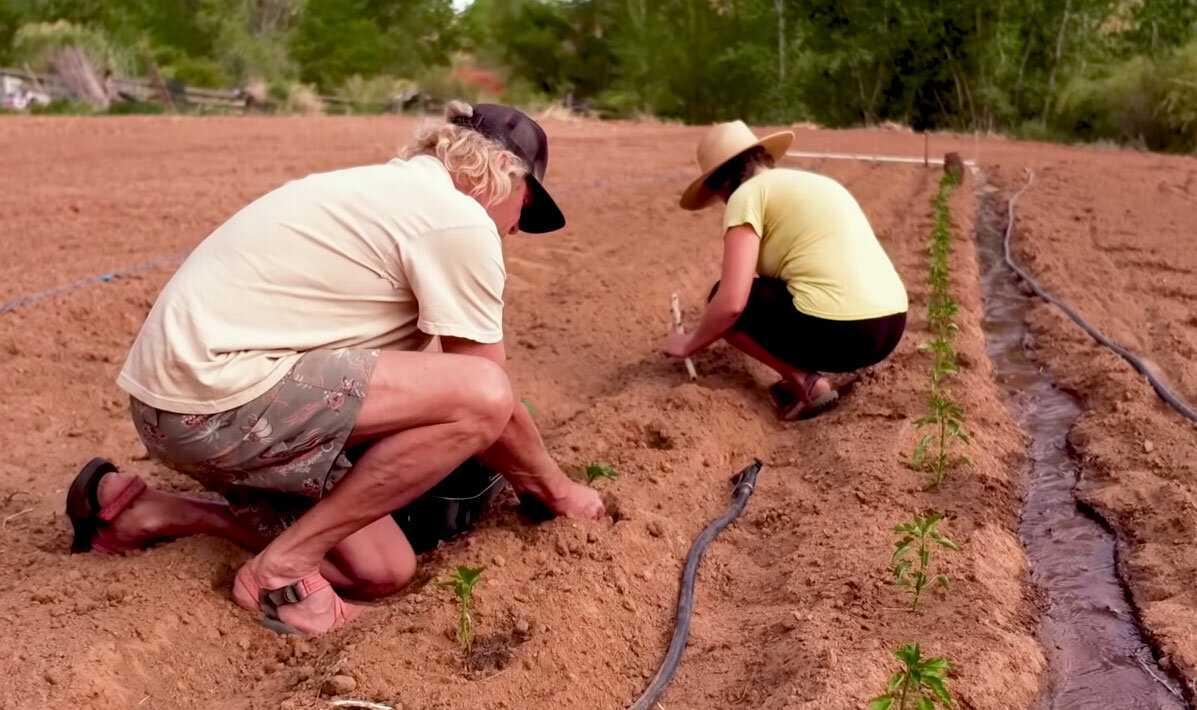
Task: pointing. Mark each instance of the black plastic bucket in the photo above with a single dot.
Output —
(451, 507)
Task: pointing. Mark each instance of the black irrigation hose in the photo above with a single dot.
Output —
(1165, 393)
(745, 482)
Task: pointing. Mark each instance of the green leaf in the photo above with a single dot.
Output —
(530, 407)
(945, 542)
(934, 667)
(936, 684)
(925, 704)
(908, 654)
(920, 452)
(595, 471)
(883, 702)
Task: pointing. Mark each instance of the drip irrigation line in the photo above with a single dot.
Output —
(1171, 398)
(745, 483)
(31, 298)
(867, 158)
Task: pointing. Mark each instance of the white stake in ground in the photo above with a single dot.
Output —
(675, 305)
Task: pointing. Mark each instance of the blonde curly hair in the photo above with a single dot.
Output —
(483, 165)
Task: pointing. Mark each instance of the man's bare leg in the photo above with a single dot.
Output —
(426, 413)
(375, 561)
(159, 515)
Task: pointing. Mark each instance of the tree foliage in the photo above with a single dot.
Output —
(966, 64)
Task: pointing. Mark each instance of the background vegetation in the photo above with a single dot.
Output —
(1124, 70)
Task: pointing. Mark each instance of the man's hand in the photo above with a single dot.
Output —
(577, 501)
(677, 345)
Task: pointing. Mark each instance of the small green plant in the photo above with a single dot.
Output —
(595, 471)
(921, 683)
(462, 582)
(947, 421)
(932, 453)
(911, 561)
(530, 407)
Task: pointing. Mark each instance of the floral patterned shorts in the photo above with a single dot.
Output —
(273, 457)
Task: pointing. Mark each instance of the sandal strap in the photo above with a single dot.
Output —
(293, 593)
(123, 500)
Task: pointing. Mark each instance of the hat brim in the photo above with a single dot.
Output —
(542, 214)
(697, 196)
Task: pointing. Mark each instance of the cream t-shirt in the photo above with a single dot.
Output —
(381, 256)
(815, 237)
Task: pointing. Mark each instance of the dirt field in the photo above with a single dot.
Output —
(795, 609)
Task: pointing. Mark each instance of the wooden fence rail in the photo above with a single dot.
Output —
(145, 90)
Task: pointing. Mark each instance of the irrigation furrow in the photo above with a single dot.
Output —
(1098, 656)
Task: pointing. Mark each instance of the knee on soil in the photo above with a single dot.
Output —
(380, 577)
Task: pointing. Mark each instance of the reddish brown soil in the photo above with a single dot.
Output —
(794, 605)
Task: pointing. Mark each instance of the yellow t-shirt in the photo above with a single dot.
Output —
(815, 237)
(381, 256)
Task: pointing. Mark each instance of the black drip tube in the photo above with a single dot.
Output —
(745, 483)
(1171, 398)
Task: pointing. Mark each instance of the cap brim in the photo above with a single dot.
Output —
(542, 214)
(696, 196)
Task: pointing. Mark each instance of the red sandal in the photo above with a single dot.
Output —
(249, 594)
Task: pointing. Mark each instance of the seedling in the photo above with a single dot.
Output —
(946, 418)
(911, 561)
(595, 471)
(462, 583)
(530, 407)
(921, 683)
(947, 422)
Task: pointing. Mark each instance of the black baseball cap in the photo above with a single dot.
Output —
(521, 135)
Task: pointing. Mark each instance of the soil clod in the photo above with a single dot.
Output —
(339, 684)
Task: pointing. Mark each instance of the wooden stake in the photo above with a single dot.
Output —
(675, 305)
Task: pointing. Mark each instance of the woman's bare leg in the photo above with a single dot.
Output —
(793, 377)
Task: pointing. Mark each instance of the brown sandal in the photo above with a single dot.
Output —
(89, 519)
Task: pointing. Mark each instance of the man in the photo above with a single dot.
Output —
(299, 328)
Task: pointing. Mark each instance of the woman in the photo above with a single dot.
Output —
(826, 298)
(299, 329)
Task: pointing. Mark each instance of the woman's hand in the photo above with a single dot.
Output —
(677, 345)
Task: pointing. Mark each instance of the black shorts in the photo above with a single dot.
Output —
(814, 344)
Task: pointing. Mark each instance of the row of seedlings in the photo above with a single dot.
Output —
(920, 682)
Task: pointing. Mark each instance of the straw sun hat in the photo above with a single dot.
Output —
(721, 143)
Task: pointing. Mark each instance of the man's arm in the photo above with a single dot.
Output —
(520, 455)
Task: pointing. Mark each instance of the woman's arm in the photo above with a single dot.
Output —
(741, 246)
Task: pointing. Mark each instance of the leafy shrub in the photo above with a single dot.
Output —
(61, 107)
(126, 108)
(375, 94)
(198, 72)
(1150, 102)
(35, 44)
